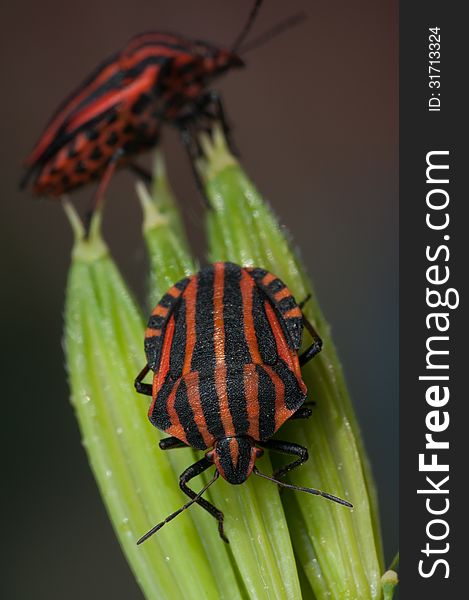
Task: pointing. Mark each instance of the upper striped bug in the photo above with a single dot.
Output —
(223, 345)
(119, 110)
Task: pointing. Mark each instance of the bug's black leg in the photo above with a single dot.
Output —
(213, 97)
(286, 448)
(191, 472)
(98, 197)
(171, 442)
(143, 173)
(315, 347)
(304, 412)
(143, 388)
(303, 302)
(194, 153)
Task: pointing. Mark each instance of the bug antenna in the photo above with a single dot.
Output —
(303, 489)
(178, 512)
(276, 30)
(247, 27)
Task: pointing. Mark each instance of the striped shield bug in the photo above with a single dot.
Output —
(119, 110)
(223, 345)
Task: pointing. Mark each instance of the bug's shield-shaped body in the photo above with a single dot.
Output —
(223, 344)
(118, 111)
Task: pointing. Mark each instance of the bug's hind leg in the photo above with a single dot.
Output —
(191, 472)
(286, 448)
(171, 442)
(99, 196)
(143, 388)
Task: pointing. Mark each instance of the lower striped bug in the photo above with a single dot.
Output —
(223, 345)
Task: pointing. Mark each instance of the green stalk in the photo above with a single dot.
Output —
(339, 549)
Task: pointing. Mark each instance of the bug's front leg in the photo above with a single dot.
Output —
(190, 143)
(286, 448)
(315, 347)
(191, 472)
(211, 105)
(304, 412)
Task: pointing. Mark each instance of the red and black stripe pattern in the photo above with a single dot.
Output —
(223, 344)
(118, 110)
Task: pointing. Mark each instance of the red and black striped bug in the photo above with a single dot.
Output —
(223, 345)
(118, 111)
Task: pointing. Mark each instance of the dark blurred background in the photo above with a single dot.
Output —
(315, 115)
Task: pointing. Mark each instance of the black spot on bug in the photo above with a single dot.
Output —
(258, 274)
(96, 154)
(132, 146)
(112, 139)
(92, 134)
(80, 167)
(112, 118)
(287, 304)
(72, 153)
(156, 322)
(65, 181)
(275, 286)
(129, 129)
(187, 68)
(143, 127)
(181, 285)
(140, 105)
(166, 301)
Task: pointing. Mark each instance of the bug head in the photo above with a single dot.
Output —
(234, 458)
(215, 60)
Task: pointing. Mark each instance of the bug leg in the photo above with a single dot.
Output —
(315, 347)
(171, 442)
(219, 113)
(304, 412)
(143, 388)
(194, 154)
(303, 302)
(286, 448)
(98, 198)
(191, 472)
